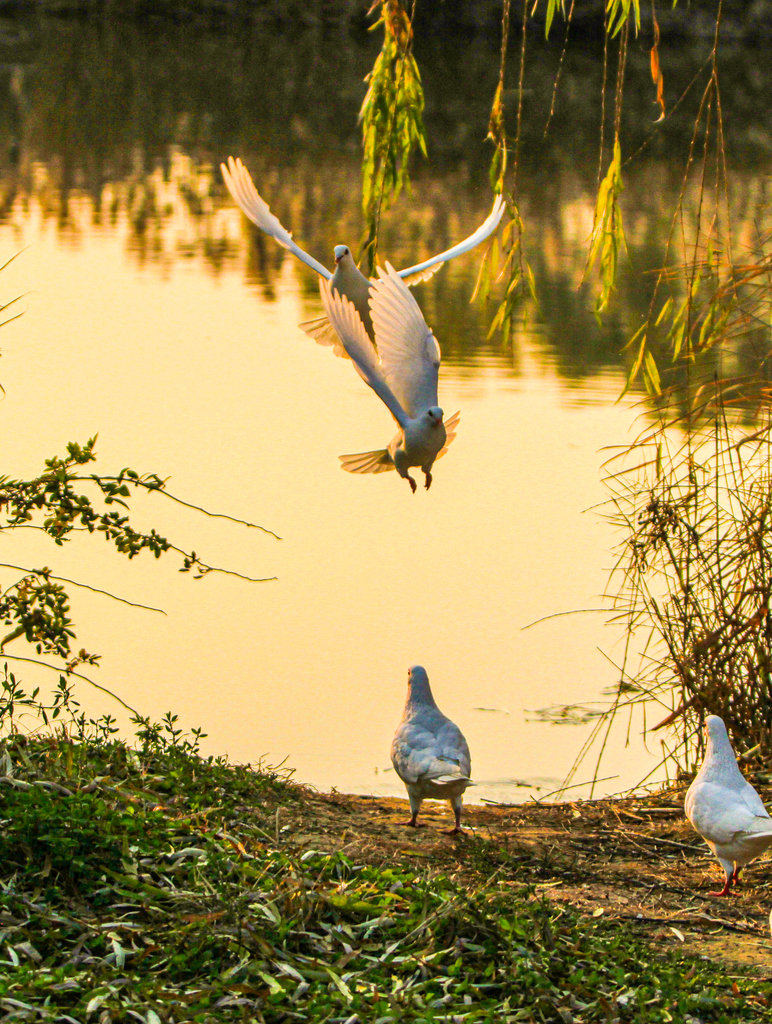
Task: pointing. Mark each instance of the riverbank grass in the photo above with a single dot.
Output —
(148, 883)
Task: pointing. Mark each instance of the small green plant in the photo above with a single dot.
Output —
(164, 734)
(15, 701)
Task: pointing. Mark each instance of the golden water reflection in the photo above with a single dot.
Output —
(202, 378)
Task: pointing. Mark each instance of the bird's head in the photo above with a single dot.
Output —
(341, 251)
(418, 688)
(715, 730)
(418, 683)
(434, 416)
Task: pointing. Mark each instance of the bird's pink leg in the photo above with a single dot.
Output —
(727, 884)
(413, 823)
(457, 831)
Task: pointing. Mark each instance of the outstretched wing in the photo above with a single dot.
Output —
(242, 188)
(409, 352)
(423, 270)
(350, 329)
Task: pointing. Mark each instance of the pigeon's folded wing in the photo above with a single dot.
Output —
(720, 817)
(409, 352)
(242, 188)
(751, 799)
(454, 747)
(412, 275)
(350, 329)
(414, 749)
(408, 761)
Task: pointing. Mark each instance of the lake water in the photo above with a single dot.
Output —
(160, 319)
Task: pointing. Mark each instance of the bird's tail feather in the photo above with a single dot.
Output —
(322, 331)
(379, 461)
(451, 426)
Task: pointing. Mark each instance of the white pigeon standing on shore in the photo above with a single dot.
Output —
(429, 752)
(348, 280)
(725, 809)
(403, 373)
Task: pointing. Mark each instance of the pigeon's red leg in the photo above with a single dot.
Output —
(727, 886)
(412, 483)
(413, 823)
(428, 476)
(457, 831)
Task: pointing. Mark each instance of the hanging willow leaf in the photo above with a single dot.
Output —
(651, 374)
(521, 281)
(392, 121)
(498, 135)
(607, 234)
(635, 368)
(666, 311)
(552, 7)
(618, 13)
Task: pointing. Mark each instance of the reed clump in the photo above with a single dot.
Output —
(693, 581)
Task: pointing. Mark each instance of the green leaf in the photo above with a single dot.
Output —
(607, 237)
(651, 374)
(665, 311)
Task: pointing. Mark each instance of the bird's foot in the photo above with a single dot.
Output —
(457, 831)
(412, 483)
(412, 824)
(732, 879)
(428, 480)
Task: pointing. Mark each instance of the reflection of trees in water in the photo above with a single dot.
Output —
(112, 127)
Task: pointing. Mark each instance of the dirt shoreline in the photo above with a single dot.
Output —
(635, 860)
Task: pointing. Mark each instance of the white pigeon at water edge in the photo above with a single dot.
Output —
(348, 280)
(429, 752)
(725, 809)
(403, 373)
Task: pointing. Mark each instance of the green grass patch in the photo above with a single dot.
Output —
(152, 884)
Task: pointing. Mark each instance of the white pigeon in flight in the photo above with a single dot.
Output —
(429, 752)
(725, 809)
(348, 280)
(403, 373)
